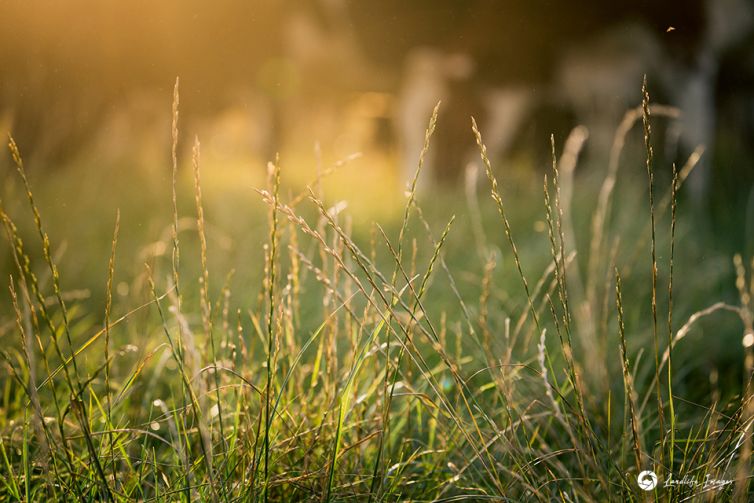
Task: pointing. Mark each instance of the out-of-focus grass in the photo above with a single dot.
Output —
(80, 225)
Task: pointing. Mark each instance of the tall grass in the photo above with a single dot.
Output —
(376, 369)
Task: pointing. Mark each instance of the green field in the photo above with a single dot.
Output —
(195, 333)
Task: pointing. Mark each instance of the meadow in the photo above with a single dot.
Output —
(541, 336)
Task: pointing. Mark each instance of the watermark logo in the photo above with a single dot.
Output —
(705, 483)
(647, 480)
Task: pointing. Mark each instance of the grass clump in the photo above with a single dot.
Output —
(383, 368)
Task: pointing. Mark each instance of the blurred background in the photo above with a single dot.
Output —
(93, 80)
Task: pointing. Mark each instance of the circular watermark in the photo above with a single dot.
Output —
(647, 480)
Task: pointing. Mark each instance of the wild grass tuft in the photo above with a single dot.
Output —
(431, 358)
